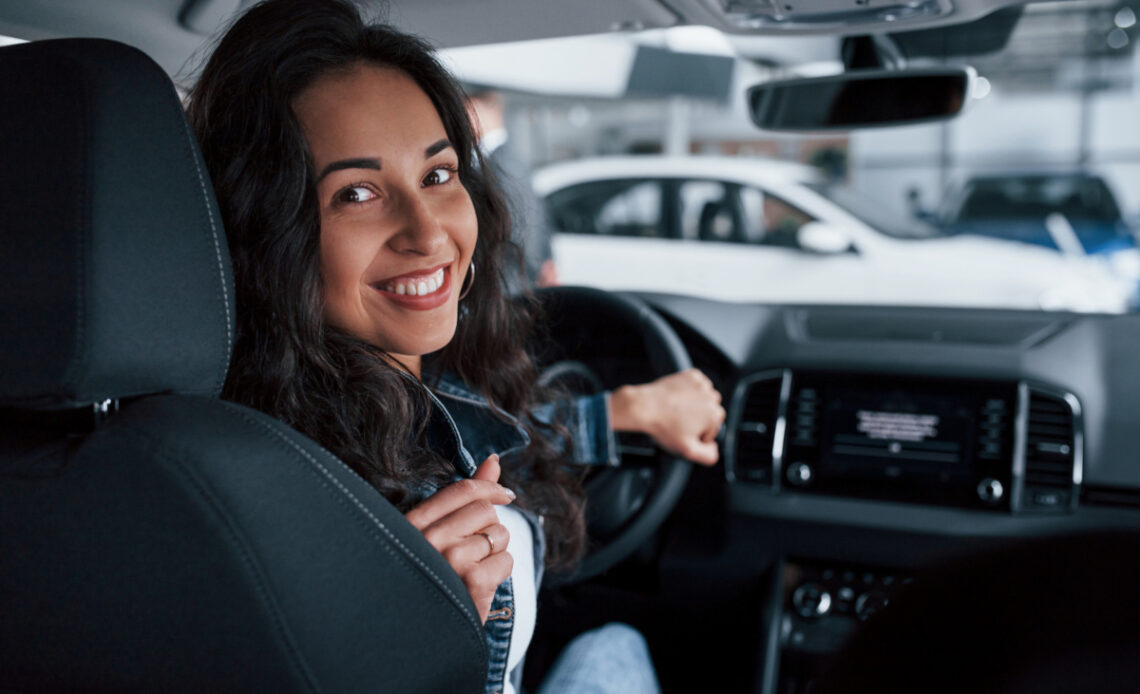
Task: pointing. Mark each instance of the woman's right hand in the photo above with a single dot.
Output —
(460, 521)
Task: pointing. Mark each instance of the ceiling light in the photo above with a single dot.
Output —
(1117, 39)
(1125, 18)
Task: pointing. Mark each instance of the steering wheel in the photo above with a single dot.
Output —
(594, 340)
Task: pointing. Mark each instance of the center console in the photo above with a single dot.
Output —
(1006, 446)
(970, 447)
(820, 607)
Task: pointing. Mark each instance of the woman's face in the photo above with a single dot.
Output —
(397, 227)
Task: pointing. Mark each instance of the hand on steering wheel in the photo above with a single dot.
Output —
(629, 503)
(681, 411)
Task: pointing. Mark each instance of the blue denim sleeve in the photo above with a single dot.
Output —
(588, 419)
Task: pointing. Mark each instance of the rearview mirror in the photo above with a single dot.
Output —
(861, 99)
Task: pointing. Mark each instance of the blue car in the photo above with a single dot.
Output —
(1071, 212)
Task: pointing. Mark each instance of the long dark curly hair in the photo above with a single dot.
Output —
(288, 361)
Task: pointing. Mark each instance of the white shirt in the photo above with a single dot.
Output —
(521, 547)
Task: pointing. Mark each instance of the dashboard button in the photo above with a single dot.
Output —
(1050, 498)
(811, 600)
(800, 474)
(869, 603)
(990, 490)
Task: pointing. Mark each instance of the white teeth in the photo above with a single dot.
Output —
(429, 285)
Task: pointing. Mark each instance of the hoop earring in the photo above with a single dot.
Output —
(468, 281)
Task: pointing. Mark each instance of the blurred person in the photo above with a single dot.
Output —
(531, 230)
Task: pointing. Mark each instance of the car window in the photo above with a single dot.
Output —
(707, 212)
(879, 217)
(715, 211)
(610, 208)
(1085, 199)
(773, 220)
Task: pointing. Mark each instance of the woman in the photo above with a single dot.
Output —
(370, 250)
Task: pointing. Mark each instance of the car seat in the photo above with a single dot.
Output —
(153, 537)
(716, 222)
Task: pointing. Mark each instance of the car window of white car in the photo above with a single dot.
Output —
(628, 207)
(771, 220)
(707, 212)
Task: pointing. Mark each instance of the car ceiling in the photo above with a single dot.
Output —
(160, 27)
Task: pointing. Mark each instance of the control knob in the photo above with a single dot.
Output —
(811, 600)
(990, 490)
(800, 474)
(869, 603)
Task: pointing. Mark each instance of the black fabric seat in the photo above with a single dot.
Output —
(153, 537)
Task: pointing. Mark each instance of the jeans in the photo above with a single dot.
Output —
(612, 659)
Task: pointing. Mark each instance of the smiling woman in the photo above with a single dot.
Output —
(357, 209)
(396, 228)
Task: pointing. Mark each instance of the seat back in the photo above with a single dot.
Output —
(152, 536)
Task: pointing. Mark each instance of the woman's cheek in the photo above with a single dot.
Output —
(467, 225)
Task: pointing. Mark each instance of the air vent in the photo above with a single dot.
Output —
(1052, 453)
(756, 413)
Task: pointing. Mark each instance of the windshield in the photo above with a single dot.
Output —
(652, 177)
(887, 220)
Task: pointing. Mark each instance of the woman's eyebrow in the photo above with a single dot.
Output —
(374, 164)
(437, 147)
(362, 163)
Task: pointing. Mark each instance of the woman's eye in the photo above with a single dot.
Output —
(439, 176)
(355, 194)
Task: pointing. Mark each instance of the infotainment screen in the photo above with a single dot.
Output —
(929, 439)
(897, 426)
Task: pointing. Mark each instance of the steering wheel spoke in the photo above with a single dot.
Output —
(597, 340)
(637, 449)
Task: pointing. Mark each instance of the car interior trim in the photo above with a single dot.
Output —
(780, 431)
(736, 413)
(1020, 443)
(1025, 391)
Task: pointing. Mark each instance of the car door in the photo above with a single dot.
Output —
(618, 233)
(742, 243)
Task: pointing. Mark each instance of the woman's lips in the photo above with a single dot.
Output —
(421, 290)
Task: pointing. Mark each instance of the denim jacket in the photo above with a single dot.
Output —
(464, 428)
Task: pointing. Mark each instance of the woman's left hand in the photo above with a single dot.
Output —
(681, 411)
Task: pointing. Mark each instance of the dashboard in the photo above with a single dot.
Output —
(867, 445)
(1086, 366)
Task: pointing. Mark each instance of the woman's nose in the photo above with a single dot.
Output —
(421, 228)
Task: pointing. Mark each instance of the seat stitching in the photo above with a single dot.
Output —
(79, 356)
(191, 143)
(251, 565)
(327, 474)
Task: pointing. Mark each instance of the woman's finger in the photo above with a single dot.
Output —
(454, 497)
(476, 547)
(702, 453)
(497, 537)
(460, 523)
(484, 578)
(489, 469)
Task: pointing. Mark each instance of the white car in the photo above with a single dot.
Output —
(741, 229)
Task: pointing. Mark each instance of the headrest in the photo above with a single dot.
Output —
(114, 274)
